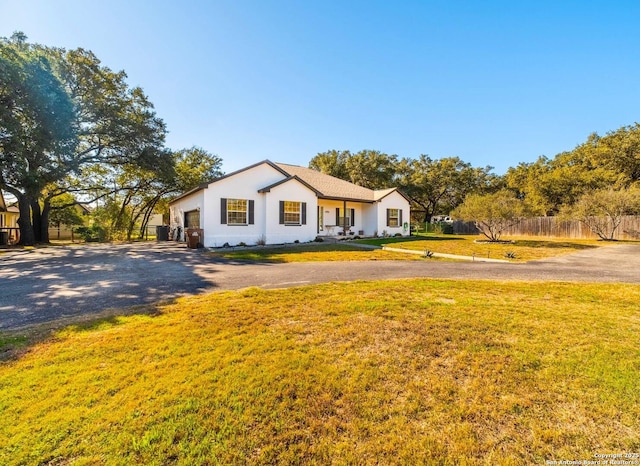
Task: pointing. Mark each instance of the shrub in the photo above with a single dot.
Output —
(92, 234)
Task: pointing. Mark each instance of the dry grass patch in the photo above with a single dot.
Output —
(392, 372)
(524, 249)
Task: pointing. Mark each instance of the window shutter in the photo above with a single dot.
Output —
(223, 211)
(303, 207)
(353, 217)
(399, 217)
(251, 212)
(338, 216)
(281, 212)
(387, 217)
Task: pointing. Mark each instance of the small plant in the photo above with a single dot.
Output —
(262, 240)
(319, 239)
(397, 235)
(242, 243)
(385, 234)
(226, 245)
(510, 255)
(297, 241)
(427, 254)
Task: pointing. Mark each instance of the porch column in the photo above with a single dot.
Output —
(344, 219)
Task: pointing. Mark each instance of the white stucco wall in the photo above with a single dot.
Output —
(243, 185)
(393, 201)
(177, 210)
(296, 192)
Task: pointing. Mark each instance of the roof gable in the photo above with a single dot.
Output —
(266, 189)
(329, 186)
(229, 175)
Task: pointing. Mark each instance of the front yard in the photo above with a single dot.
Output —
(390, 372)
(521, 250)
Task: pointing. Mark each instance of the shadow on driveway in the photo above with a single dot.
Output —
(52, 283)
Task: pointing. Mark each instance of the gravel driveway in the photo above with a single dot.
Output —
(48, 284)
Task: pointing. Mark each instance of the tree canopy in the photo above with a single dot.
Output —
(61, 112)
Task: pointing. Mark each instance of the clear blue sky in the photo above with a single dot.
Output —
(492, 82)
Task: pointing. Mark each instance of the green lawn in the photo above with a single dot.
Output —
(393, 372)
(524, 249)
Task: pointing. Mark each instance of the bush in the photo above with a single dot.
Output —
(442, 228)
(93, 234)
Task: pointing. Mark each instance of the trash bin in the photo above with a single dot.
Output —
(195, 237)
(4, 238)
(162, 233)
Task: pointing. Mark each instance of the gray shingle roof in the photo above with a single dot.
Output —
(334, 188)
(326, 186)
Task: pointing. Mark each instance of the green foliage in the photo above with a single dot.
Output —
(64, 111)
(368, 168)
(92, 234)
(37, 124)
(332, 162)
(371, 169)
(441, 228)
(601, 162)
(491, 213)
(602, 210)
(438, 186)
(194, 167)
(64, 211)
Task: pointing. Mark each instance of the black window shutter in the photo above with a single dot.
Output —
(251, 214)
(337, 215)
(304, 213)
(223, 211)
(399, 217)
(281, 212)
(387, 217)
(353, 217)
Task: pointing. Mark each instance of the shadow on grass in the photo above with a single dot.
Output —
(554, 245)
(408, 239)
(15, 343)
(269, 254)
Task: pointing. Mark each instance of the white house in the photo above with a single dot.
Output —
(273, 203)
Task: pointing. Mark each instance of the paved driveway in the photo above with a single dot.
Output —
(47, 284)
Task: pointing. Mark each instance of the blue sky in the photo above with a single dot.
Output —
(492, 82)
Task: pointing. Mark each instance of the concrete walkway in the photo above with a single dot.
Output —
(44, 285)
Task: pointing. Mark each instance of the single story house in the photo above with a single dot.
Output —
(273, 203)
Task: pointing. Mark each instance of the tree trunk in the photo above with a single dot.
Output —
(27, 237)
(44, 222)
(36, 220)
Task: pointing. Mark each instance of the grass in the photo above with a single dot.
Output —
(524, 249)
(314, 253)
(393, 372)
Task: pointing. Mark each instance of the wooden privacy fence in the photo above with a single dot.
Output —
(551, 227)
